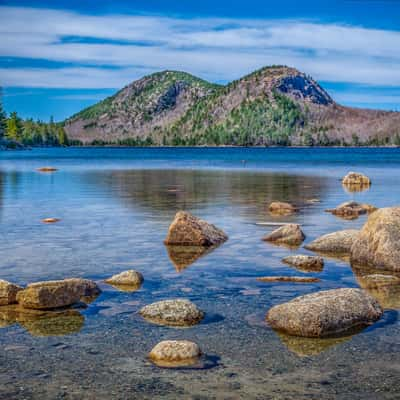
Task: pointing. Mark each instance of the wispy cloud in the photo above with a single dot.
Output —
(216, 49)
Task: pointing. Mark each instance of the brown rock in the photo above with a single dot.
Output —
(378, 244)
(8, 292)
(281, 208)
(351, 209)
(176, 312)
(339, 242)
(126, 278)
(356, 179)
(47, 169)
(325, 313)
(305, 263)
(188, 230)
(296, 279)
(50, 220)
(290, 235)
(175, 353)
(55, 294)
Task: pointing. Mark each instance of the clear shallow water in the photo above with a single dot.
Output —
(115, 206)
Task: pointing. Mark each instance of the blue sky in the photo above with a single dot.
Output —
(57, 57)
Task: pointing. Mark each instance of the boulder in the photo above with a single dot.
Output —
(188, 230)
(281, 208)
(170, 353)
(8, 292)
(339, 242)
(128, 278)
(325, 313)
(378, 244)
(176, 312)
(356, 179)
(351, 209)
(305, 263)
(55, 294)
(290, 235)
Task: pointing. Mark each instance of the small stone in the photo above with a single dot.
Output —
(8, 292)
(339, 242)
(130, 278)
(47, 169)
(188, 230)
(356, 179)
(325, 313)
(50, 220)
(281, 208)
(305, 263)
(296, 279)
(290, 235)
(176, 312)
(175, 353)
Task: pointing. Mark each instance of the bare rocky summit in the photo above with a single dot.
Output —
(188, 230)
(325, 313)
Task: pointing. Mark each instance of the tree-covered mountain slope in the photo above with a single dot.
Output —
(275, 105)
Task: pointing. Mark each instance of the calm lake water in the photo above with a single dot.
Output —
(115, 207)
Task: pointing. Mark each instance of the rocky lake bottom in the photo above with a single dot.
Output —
(114, 207)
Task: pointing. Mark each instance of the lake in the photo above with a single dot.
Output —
(115, 206)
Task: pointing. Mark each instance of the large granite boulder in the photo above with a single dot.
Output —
(339, 242)
(325, 313)
(378, 244)
(351, 209)
(305, 263)
(176, 312)
(281, 208)
(356, 179)
(290, 235)
(175, 353)
(55, 294)
(188, 230)
(8, 292)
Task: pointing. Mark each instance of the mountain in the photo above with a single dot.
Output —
(275, 105)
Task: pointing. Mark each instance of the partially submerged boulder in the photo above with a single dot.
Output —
(188, 230)
(290, 235)
(378, 244)
(56, 294)
(126, 278)
(8, 292)
(175, 353)
(281, 208)
(325, 313)
(351, 209)
(339, 242)
(356, 179)
(176, 312)
(305, 263)
(295, 279)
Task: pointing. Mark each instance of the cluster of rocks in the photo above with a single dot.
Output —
(351, 210)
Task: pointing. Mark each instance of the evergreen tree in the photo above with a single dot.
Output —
(14, 127)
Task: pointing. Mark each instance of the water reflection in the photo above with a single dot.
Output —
(183, 256)
(42, 323)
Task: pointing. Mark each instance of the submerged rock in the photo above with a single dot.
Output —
(8, 292)
(356, 179)
(176, 312)
(378, 244)
(339, 242)
(325, 313)
(130, 280)
(290, 235)
(188, 230)
(175, 353)
(55, 294)
(296, 279)
(281, 208)
(351, 209)
(305, 263)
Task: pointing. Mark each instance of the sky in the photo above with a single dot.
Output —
(57, 57)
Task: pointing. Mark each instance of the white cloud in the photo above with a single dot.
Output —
(216, 49)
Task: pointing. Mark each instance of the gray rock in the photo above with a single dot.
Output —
(290, 235)
(130, 277)
(339, 242)
(176, 312)
(188, 230)
(325, 313)
(170, 353)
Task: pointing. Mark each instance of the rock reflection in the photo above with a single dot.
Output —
(126, 288)
(183, 256)
(42, 323)
(355, 188)
(306, 347)
(385, 291)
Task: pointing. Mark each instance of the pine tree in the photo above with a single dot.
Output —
(14, 127)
